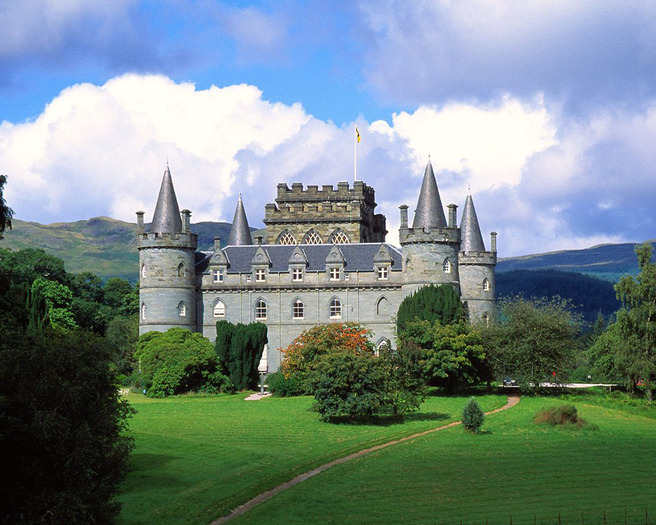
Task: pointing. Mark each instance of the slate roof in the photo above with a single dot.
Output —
(429, 212)
(357, 256)
(240, 233)
(470, 231)
(166, 218)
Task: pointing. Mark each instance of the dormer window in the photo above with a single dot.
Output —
(217, 275)
(335, 274)
(297, 275)
(260, 276)
(382, 273)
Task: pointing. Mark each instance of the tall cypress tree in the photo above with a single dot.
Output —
(432, 303)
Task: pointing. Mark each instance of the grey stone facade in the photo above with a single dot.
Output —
(292, 286)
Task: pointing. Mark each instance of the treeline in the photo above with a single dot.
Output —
(589, 295)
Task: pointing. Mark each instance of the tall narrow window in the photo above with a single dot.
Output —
(219, 309)
(446, 266)
(486, 285)
(182, 270)
(298, 309)
(335, 309)
(182, 309)
(143, 311)
(260, 310)
(143, 270)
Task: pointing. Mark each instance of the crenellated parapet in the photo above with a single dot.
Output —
(429, 236)
(167, 240)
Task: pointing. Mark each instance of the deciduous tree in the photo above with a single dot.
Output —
(6, 213)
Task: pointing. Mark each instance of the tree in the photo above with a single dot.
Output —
(6, 213)
(63, 440)
(178, 361)
(533, 341)
(432, 303)
(451, 356)
(628, 348)
(239, 350)
(57, 299)
(301, 357)
(472, 416)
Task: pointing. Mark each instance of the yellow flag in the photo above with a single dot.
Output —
(357, 133)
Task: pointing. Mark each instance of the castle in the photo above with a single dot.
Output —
(323, 259)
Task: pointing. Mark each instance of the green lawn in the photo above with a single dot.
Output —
(515, 470)
(198, 457)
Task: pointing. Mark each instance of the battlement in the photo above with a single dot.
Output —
(328, 193)
(432, 235)
(167, 240)
(478, 258)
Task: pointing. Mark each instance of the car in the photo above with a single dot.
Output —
(508, 381)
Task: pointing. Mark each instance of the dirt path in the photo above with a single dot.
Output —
(264, 496)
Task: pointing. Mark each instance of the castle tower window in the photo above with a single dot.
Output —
(446, 266)
(260, 310)
(182, 270)
(297, 274)
(335, 274)
(219, 309)
(260, 276)
(217, 276)
(339, 237)
(286, 237)
(486, 285)
(143, 311)
(143, 271)
(335, 309)
(382, 273)
(312, 237)
(182, 309)
(486, 319)
(298, 309)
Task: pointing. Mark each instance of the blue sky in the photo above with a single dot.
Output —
(544, 110)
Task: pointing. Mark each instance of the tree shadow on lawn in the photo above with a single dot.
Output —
(146, 471)
(387, 420)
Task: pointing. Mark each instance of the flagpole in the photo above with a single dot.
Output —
(355, 154)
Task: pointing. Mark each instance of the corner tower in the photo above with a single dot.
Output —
(430, 247)
(477, 283)
(167, 287)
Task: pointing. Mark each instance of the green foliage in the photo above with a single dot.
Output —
(6, 213)
(239, 350)
(532, 339)
(562, 415)
(472, 416)
(281, 386)
(57, 299)
(24, 266)
(63, 445)
(451, 356)
(176, 361)
(432, 303)
(122, 337)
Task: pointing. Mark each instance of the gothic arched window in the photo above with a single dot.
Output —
(286, 237)
(446, 266)
(260, 309)
(182, 270)
(486, 285)
(182, 309)
(298, 309)
(339, 237)
(143, 310)
(335, 308)
(312, 237)
(219, 309)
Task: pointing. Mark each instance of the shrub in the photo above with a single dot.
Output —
(472, 416)
(563, 415)
(282, 386)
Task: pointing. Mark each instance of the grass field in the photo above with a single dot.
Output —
(516, 470)
(198, 457)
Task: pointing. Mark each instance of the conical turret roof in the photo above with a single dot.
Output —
(240, 233)
(429, 212)
(470, 232)
(166, 218)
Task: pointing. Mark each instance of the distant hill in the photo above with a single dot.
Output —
(107, 247)
(104, 246)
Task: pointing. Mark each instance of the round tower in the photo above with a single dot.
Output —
(430, 247)
(167, 281)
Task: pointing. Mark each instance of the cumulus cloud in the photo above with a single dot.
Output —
(542, 181)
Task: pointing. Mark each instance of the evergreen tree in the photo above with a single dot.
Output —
(6, 213)
(472, 416)
(239, 350)
(432, 303)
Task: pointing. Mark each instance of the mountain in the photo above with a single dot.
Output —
(104, 246)
(107, 247)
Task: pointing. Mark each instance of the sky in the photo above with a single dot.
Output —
(545, 111)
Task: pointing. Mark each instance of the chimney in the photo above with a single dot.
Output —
(404, 215)
(217, 244)
(493, 246)
(186, 220)
(453, 215)
(140, 222)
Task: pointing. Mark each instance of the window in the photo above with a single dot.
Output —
(182, 309)
(382, 273)
(297, 274)
(486, 319)
(446, 266)
(335, 274)
(298, 309)
(286, 237)
(312, 237)
(339, 237)
(248, 278)
(219, 309)
(335, 309)
(260, 309)
(486, 285)
(182, 270)
(143, 271)
(260, 276)
(143, 311)
(218, 276)
(383, 307)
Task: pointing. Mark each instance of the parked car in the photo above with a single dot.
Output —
(508, 381)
